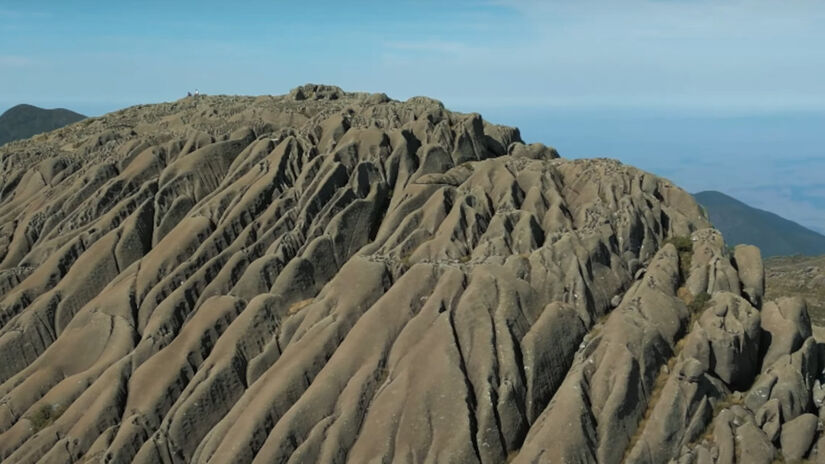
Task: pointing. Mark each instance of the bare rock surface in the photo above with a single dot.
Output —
(797, 437)
(334, 277)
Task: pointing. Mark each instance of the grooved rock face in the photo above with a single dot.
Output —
(336, 277)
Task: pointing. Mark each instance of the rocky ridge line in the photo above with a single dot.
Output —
(336, 277)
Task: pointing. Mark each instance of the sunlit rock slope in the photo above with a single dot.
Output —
(338, 277)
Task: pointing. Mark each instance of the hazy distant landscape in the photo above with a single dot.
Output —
(773, 234)
(772, 161)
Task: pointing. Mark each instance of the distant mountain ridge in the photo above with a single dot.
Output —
(773, 234)
(24, 121)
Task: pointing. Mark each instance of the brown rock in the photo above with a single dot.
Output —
(786, 325)
(754, 446)
(751, 273)
(798, 436)
(335, 277)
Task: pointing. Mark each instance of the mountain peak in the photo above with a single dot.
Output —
(773, 234)
(24, 120)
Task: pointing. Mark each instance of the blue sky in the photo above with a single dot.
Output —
(724, 94)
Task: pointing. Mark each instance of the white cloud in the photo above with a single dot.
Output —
(759, 55)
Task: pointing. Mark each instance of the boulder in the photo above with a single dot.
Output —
(769, 418)
(786, 325)
(748, 260)
(798, 436)
(789, 380)
(753, 445)
(537, 151)
(732, 328)
(711, 269)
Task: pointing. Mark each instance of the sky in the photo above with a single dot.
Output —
(724, 94)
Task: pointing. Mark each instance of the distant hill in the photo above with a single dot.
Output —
(24, 121)
(774, 235)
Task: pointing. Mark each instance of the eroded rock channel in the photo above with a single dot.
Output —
(339, 277)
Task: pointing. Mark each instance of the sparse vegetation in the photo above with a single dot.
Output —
(681, 242)
(655, 393)
(698, 303)
(684, 246)
(46, 415)
(381, 374)
(798, 276)
(725, 402)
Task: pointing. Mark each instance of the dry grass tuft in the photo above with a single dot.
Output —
(300, 305)
(684, 245)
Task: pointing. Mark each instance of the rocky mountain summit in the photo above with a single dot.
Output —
(339, 277)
